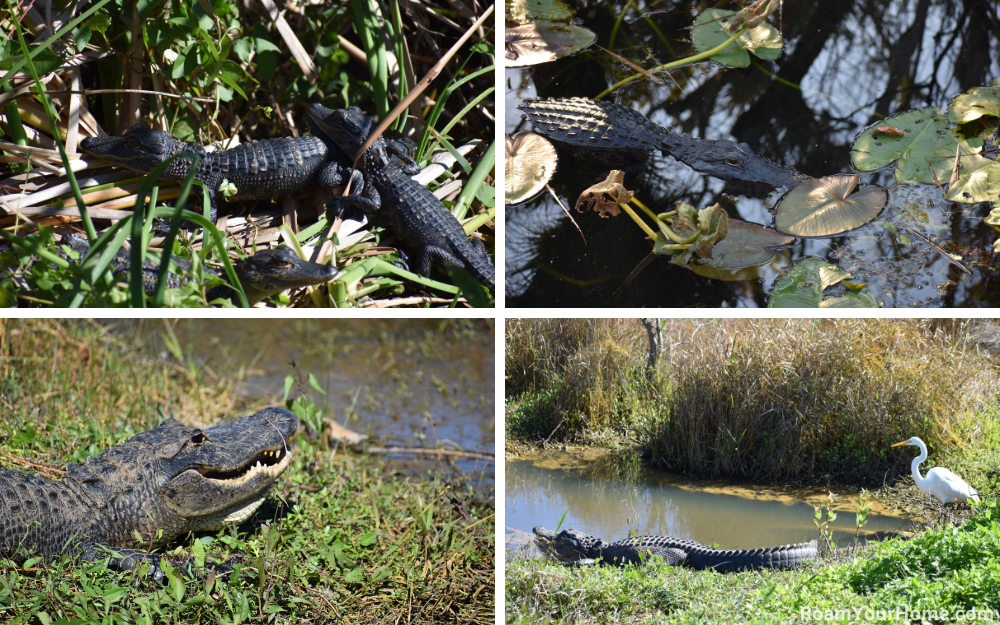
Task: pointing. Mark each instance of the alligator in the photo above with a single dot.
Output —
(579, 549)
(158, 486)
(382, 187)
(260, 170)
(607, 128)
(262, 275)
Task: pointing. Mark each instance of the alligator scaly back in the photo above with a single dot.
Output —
(574, 547)
(605, 127)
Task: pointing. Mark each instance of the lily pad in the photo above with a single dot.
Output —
(530, 163)
(972, 182)
(527, 11)
(596, 196)
(746, 246)
(709, 31)
(542, 41)
(825, 206)
(927, 143)
(803, 284)
(975, 103)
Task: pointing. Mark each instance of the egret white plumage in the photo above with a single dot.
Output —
(940, 482)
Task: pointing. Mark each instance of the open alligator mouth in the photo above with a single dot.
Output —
(266, 460)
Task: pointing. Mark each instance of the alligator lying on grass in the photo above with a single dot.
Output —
(173, 478)
(382, 186)
(611, 128)
(577, 548)
(260, 170)
(262, 275)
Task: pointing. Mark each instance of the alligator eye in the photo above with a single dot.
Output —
(131, 143)
(732, 160)
(198, 438)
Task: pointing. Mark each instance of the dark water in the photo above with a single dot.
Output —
(418, 383)
(540, 490)
(846, 64)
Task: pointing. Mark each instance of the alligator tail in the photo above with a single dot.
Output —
(725, 561)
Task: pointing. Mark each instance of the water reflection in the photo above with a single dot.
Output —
(845, 65)
(419, 383)
(541, 488)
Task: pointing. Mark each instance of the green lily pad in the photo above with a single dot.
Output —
(742, 252)
(803, 284)
(972, 184)
(530, 163)
(541, 42)
(927, 143)
(825, 206)
(709, 31)
(993, 219)
(975, 103)
(527, 11)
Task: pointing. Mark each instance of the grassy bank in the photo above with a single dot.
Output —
(764, 399)
(343, 539)
(937, 577)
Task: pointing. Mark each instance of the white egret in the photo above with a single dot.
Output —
(940, 482)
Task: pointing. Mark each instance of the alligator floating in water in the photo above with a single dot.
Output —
(577, 548)
(382, 186)
(260, 170)
(173, 478)
(612, 128)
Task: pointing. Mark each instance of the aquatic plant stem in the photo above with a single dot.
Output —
(649, 231)
(685, 61)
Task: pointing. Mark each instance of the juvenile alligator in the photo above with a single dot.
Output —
(262, 275)
(173, 478)
(260, 170)
(382, 186)
(606, 127)
(573, 547)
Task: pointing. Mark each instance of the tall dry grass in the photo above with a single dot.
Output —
(762, 398)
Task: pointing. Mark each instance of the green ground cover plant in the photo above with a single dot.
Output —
(228, 73)
(342, 539)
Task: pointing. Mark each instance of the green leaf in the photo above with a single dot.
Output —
(146, 8)
(289, 381)
(313, 382)
(740, 255)
(45, 61)
(927, 142)
(198, 553)
(803, 284)
(975, 103)
(242, 47)
(367, 538)
(355, 576)
(709, 32)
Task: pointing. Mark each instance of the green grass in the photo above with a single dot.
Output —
(212, 72)
(939, 572)
(342, 539)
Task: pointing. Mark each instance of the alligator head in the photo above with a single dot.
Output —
(733, 162)
(141, 149)
(272, 271)
(568, 545)
(180, 479)
(348, 128)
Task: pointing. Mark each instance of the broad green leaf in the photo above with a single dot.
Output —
(45, 61)
(709, 31)
(741, 253)
(975, 103)
(973, 183)
(803, 284)
(825, 206)
(927, 142)
(530, 163)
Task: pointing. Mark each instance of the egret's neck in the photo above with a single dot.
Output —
(915, 467)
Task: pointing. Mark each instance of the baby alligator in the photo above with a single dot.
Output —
(260, 170)
(262, 275)
(577, 548)
(606, 127)
(382, 186)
